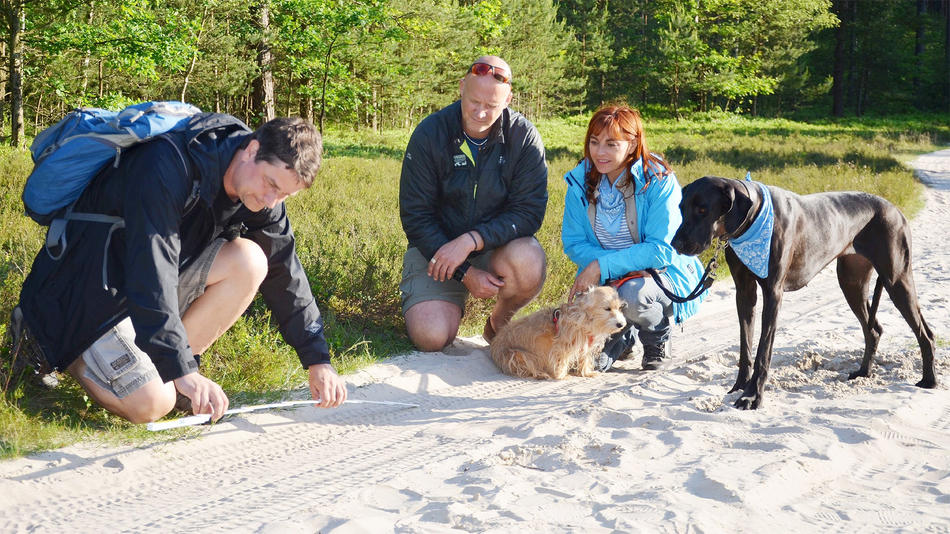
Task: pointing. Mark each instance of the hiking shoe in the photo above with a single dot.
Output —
(604, 362)
(182, 403)
(25, 351)
(656, 357)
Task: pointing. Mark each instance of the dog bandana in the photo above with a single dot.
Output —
(753, 247)
(610, 206)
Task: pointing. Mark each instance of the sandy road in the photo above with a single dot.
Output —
(626, 450)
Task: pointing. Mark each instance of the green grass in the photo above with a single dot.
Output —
(350, 242)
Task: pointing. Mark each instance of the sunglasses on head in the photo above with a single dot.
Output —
(484, 69)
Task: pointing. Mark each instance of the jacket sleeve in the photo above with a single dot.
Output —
(418, 195)
(658, 225)
(153, 205)
(577, 237)
(527, 199)
(285, 289)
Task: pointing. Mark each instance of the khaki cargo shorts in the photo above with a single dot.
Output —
(417, 286)
(115, 362)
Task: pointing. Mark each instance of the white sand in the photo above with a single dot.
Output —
(625, 451)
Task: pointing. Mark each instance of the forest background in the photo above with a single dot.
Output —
(386, 63)
(811, 95)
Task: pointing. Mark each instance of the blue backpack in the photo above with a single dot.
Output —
(69, 154)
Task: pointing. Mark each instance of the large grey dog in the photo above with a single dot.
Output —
(865, 233)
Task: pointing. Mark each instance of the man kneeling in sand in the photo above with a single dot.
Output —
(472, 194)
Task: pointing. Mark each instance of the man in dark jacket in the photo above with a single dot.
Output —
(472, 194)
(126, 310)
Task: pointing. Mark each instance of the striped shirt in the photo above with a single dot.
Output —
(610, 241)
(610, 222)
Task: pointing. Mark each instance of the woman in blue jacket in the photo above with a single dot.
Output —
(620, 213)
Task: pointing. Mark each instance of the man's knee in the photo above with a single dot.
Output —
(522, 259)
(150, 402)
(147, 408)
(432, 325)
(246, 260)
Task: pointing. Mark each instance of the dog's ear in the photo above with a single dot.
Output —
(727, 199)
(733, 208)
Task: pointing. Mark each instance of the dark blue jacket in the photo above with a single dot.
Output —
(443, 193)
(64, 302)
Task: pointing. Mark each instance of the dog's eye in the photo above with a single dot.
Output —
(701, 210)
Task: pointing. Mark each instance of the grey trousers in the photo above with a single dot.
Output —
(648, 315)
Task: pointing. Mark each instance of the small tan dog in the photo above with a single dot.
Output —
(550, 343)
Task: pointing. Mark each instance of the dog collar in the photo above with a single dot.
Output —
(753, 247)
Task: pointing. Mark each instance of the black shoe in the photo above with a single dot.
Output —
(26, 352)
(656, 357)
(182, 403)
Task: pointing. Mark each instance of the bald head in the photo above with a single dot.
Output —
(495, 61)
(484, 96)
(490, 67)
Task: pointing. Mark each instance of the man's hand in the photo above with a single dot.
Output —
(586, 279)
(326, 385)
(450, 256)
(482, 284)
(206, 396)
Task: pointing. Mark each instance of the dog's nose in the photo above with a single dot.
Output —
(620, 325)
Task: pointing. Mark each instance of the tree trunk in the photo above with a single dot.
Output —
(37, 111)
(264, 86)
(217, 92)
(84, 65)
(375, 109)
(15, 16)
(194, 56)
(4, 81)
(840, 60)
(326, 81)
(919, 49)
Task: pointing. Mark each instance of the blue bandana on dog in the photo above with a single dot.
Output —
(754, 246)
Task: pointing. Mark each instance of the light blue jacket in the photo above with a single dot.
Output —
(658, 217)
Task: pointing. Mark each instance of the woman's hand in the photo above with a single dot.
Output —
(585, 280)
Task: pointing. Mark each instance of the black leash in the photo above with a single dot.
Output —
(704, 283)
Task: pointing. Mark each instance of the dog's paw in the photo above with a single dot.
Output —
(860, 373)
(927, 384)
(748, 401)
(739, 385)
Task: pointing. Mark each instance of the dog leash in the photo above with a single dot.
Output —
(705, 282)
(203, 418)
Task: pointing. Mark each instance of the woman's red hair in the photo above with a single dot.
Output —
(621, 122)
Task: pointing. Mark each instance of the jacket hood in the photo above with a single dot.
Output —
(213, 140)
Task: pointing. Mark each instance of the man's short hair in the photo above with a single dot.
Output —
(293, 141)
